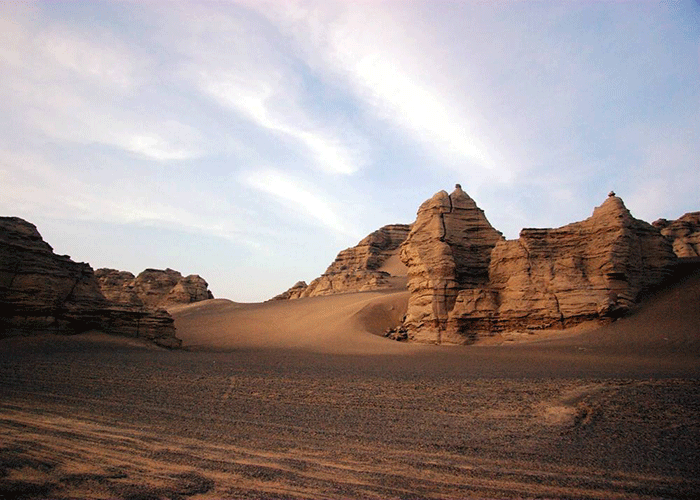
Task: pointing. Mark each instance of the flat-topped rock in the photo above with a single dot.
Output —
(153, 287)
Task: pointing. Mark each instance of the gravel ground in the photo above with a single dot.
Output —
(93, 419)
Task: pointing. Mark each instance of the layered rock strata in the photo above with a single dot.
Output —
(41, 292)
(683, 233)
(360, 268)
(152, 288)
(447, 250)
(467, 282)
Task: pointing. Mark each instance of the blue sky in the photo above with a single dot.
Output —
(250, 141)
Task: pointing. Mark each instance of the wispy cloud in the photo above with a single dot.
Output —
(267, 103)
(32, 184)
(399, 78)
(302, 199)
(84, 89)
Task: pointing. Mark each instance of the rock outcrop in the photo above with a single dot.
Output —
(372, 264)
(41, 292)
(293, 293)
(447, 250)
(152, 288)
(466, 281)
(683, 233)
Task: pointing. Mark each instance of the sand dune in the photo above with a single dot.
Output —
(348, 323)
(666, 324)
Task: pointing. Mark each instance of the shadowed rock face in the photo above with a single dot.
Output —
(466, 281)
(683, 233)
(152, 288)
(356, 269)
(41, 292)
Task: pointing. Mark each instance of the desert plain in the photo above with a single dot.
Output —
(305, 399)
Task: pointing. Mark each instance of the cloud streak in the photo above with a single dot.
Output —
(255, 98)
(305, 200)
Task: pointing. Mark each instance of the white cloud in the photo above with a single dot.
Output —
(266, 102)
(83, 88)
(104, 61)
(398, 75)
(304, 200)
(32, 184)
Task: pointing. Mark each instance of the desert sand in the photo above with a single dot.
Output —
(304, 399)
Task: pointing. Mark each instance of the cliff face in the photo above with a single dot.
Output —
(152, 288)
(41, 292)
(370, 265)
(683, 233)
(466, 281)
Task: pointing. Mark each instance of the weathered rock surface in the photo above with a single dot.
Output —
(467, 282)
(447, 250)
(41, 292)
(683, 233)
(370, 265)
(152, 288)
(293, 293)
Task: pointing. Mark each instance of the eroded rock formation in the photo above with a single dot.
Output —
(293, 293)
(152, 288)
(466, 281)
(447, 250)
(683, 233)
(372, 264)
(41, 292)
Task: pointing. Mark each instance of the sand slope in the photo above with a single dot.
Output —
(301, 404)
(666, 324)
(348, 323)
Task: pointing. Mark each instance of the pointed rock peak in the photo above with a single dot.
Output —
(441, 197)
(460, 199)
(613, 206)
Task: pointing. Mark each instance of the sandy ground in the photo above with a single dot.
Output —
(300, 400)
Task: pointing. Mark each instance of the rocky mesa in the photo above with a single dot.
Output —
(41, 292)
(466, 281)
(152, 288)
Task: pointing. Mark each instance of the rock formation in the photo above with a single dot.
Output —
(466, 281)
(41, 292)
(152, 288)
(370, 265)
(447, 250)
(683, 233)
(293, 293)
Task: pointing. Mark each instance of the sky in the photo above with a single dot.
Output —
(250, 141)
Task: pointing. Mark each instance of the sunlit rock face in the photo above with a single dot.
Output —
(361, 268)
(153, 287)
(447, 250)
(41, 293)
(466, 281)
(683, 233)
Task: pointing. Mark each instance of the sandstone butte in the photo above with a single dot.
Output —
(45, 293)
(466, 281)
(152, 288)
